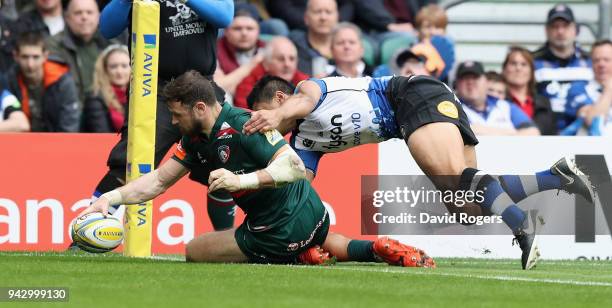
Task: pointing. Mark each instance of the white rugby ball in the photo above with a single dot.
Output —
(95, 233)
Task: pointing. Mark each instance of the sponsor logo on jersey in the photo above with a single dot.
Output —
(448, 109)
(335, 133)
(224, 153)
(293, 247)
(273, 136)
(307, 143)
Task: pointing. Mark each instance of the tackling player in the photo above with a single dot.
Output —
(285, 217)
(333, 114)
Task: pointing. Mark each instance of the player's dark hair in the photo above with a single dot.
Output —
(189, 88)
(30, 38)
(266, 87)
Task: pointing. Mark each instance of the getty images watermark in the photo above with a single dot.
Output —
(412, 205)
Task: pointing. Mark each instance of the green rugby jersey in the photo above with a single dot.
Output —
(227, 147)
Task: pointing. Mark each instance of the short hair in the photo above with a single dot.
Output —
(189, 88)
(600, 43)
(433, 13)
(266, 87)
(30, 38)
(270, 46)
(346, 25)
(495, 76)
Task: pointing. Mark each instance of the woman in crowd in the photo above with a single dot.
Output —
(518, 71)
(105, 106)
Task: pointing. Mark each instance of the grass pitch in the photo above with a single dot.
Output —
(111, 280)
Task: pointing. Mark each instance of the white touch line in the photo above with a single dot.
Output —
(503, 278)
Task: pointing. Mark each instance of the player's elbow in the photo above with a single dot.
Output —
(288, 167)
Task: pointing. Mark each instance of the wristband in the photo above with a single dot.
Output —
(249, 181)
(114, 197)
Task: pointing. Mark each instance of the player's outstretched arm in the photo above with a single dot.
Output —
(285, 167)
(140, 190)
(294, 108)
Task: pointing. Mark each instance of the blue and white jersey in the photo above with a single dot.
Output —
(594, 90)
(564, 82)
(498, 113)
(350, 112)
(8, 104)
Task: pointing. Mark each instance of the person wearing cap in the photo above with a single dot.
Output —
(238, 51)
(562, 68)
(409, 63)
(487, 114)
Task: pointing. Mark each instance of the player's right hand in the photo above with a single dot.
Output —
(262, 121)
(100, 205)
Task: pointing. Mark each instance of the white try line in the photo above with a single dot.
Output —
(495, 277)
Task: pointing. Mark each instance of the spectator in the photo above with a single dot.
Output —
(435, 65)
(489, 115)
(6, 44)
(410, 63)
(347, 52)
(12, 118)
(373, 17)
(46, 18)
(104, 109)
(598, 119)
(293, 12)
(496, 85)
(404, 11)
(563, 69)
(314, 45)
(238, 50)
(518, 71)
(431, 22)
(280, 59)
(44, 86)
(80, 43)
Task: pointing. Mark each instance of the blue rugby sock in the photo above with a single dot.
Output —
(521, 187)
(495, 200)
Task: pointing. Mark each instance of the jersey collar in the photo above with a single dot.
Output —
(225, 109)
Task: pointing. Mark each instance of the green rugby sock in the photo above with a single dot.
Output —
(361, 251)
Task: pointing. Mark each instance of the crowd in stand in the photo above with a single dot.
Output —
(61, 71)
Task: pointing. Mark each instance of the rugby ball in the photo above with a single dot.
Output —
(95, 233)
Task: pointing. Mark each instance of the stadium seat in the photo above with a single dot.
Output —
(390, 46)
(266, 37)
(368, 52)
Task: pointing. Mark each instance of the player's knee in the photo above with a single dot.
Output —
(190, 252)
(195, 250)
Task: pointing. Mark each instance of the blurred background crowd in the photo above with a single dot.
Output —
(519, 67)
